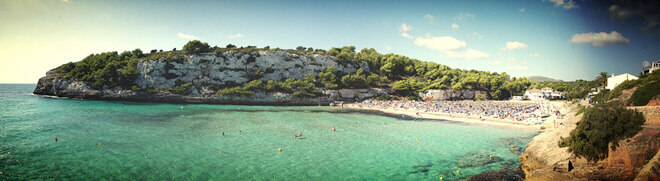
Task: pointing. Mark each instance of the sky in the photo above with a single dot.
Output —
(561, 39)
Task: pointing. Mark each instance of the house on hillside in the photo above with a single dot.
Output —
(654, 66)
(546, 90)
(544, 93)
(614, 81)
(534, 94)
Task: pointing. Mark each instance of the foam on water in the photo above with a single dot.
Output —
(189, 140)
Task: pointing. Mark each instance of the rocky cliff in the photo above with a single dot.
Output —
(207, 72)
(441, 95)
(235, 68)
(210, 69)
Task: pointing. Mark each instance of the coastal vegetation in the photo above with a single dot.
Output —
(602, 125)
(648, 88)
(406, 76)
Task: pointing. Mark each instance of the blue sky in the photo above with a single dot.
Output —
(563, 39)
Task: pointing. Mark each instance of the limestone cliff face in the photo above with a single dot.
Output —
(203, 70)
(235, 68)
(441, 95)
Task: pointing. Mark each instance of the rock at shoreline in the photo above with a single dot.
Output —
(514, 174)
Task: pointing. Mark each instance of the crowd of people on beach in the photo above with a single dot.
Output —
(517, 111)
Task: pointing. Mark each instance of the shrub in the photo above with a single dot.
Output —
(581, 110)
(602, 96)
(182, 89)
(234, 91)
(644, 94)
(481, 97)
(601, 125)
(196, 46)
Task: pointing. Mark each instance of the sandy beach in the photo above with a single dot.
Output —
(551, 122)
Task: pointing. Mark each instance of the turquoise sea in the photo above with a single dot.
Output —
(106, 140)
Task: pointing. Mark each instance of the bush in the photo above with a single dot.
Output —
(601, 125)
(581, 110)
(182, 89)
(644, 94)
(575, 100)
(601, 97)
(196, 46)
(481, 97)
(234, 91)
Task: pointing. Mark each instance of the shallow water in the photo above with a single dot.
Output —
(145, 141)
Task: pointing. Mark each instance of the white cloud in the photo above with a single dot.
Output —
(534, 55)
(236, 36)
(66, 1)
(522, 10)
(475, 34)
(646, 64)
(566, 4)
(469, 54)
(524, 63)
(452, 47)
(465, 16)
(455, 26)
(600, 39)
(514, 46)
(444, 43)
(511, 59)
(405, 27)
(494, 62)
(184, 36)
(617, 12)
(404, 34)
(430, 18)
(517, 67)
(404, 30)
(388, 48)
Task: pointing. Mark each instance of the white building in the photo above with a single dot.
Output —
(614, 81)
(654, 66)
(534, 94)
(544, 93)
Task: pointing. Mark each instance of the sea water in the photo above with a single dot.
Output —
(113, 140)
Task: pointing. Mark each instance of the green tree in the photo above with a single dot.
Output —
(196, 46)
(353, 81)
(602, 77)
(328, 78)
(602, 124)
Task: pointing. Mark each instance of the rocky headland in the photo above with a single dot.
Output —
(206, 70)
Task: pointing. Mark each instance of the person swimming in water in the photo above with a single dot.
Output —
(333, 129)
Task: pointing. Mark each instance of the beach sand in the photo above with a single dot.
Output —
(411, 113)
